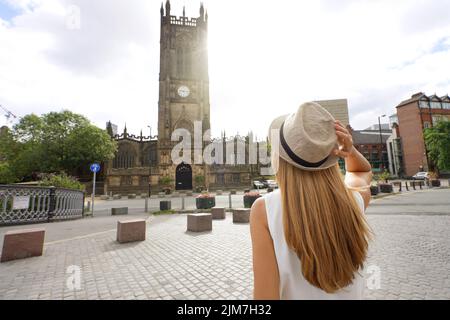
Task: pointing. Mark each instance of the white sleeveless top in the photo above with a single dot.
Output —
(293, 286)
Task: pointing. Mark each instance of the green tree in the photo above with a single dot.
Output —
(8, 148)
(52, 143)
(437, 140)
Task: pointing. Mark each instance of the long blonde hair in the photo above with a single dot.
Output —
(323, 224)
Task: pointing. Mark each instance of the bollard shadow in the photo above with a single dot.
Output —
(197, 234)
(114, 245)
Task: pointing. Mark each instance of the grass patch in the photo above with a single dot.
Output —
(164, 212)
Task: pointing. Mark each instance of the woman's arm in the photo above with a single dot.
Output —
(265, 269)
(359, 170)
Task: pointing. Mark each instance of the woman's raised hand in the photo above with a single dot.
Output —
(345, 140)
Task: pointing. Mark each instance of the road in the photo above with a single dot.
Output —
(410, 254)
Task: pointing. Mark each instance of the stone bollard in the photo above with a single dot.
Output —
(144, 195)
(132, 196)
(117, 197)
(233, 192)
(241, 215)
(219, 192)
(218, 213)
(130, 231)
(119, 211)
(199, 222)
(146, 205)
(104, 197)
(165, 205)
(20, 244)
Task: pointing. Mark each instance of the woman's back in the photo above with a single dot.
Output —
(310, 239)
(292, 283)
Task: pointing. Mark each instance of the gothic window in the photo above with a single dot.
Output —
(153, 157)
(184, 57)
(127, 181)
(125, 158)
(180, 61)
(220, 179)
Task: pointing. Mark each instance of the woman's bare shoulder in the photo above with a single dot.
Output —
(258, 212)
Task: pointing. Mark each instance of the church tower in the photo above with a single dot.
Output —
(183, 82)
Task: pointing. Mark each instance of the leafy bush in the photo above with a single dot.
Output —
(61, 181)
(385, 176)
(165, 181)
(199, 179)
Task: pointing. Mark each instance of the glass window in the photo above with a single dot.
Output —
(426, 124)
(435, 105)
(424, 104)
(446, 105)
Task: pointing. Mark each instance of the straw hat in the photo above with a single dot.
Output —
(306, 138)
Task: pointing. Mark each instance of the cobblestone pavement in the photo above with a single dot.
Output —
(412, 252)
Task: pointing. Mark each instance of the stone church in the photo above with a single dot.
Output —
(143, 163)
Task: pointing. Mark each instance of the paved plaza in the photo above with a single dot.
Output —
(410, 254)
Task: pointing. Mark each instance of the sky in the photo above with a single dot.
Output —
(100, 58)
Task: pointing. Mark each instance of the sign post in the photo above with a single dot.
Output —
(95, 167)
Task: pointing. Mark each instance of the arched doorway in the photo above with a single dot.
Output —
(183, 177)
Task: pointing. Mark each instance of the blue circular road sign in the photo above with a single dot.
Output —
(95, 167)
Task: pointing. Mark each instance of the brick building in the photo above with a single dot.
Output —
(372, 146)
(414, 115)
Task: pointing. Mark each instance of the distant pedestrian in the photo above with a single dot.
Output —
(310, 237)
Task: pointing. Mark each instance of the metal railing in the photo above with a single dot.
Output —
(25, 204)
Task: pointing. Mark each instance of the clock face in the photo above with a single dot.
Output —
(184, 91)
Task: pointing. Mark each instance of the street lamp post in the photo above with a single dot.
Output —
(381, 142)
(149, 165)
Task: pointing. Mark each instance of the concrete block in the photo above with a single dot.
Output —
(119, 211)
(199, 222)
(165, 205)
(20, 244)
(241, 215)
(218, 213)
(131, 231)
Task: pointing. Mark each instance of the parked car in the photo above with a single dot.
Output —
(421, 176)
(272, 184)
(258, 185)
